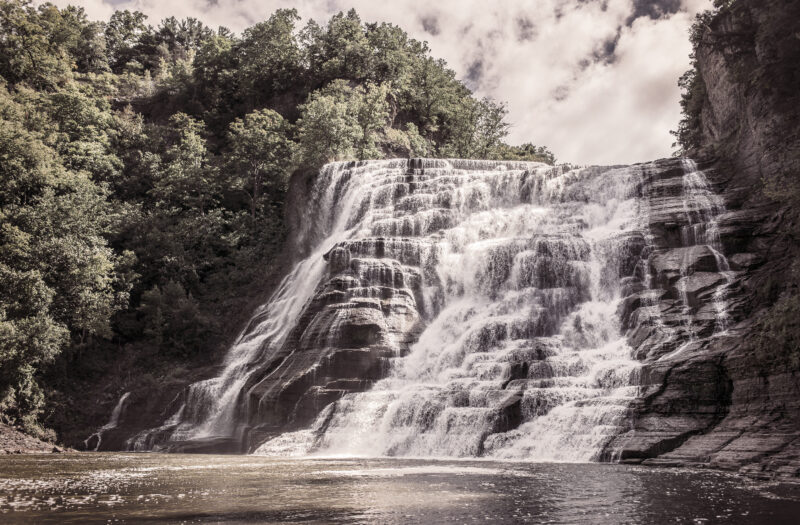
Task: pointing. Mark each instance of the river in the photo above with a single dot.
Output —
(167, 488)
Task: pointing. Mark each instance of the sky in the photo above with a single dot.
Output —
(593, 80)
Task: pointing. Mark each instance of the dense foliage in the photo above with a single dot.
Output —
(144, 170)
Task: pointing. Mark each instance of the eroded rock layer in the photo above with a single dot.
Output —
(509, 310)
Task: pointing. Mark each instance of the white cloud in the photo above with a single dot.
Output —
(547, 58)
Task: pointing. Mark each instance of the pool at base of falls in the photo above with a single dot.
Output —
(164, 488)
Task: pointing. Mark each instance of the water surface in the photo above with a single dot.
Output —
(162, 488)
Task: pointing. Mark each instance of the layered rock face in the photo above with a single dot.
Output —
(504, 277)
(747, 57)
(707, 397)
(729, 401)
(509, 310)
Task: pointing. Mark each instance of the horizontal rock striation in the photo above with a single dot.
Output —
(522, 312)
(709, 398)
(726, 401)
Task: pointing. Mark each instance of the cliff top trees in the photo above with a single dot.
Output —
(124, 33)
(30, 49)
(268, 58)
(340, 122)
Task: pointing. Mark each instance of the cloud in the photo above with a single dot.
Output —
(594, 80)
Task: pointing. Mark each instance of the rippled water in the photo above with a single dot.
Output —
(149, 488)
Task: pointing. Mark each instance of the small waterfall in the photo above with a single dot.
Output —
(113, 421)
(702, 207)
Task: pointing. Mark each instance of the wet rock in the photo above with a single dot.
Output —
(669, 265)
(745, 261)
(510, 413)
(696, 287)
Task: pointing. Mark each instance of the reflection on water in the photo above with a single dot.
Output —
(150, 488)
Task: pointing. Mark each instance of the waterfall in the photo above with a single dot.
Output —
(211, 406)
(703, 207)
(453, 308)
(700, 230)
(113, 421)
(523, 356)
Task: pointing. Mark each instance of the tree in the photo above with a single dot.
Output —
(261, 156)
(431, 94)
(372, 112)
(215, 76)
(345, 48)
(328, 128)
(180, 37)
(29, 339)
(186, 179)
(124, 32)
(478, 128)
(90, 49)
(84, 124)
(392, 55)
(28, 52)
(59, 276)
(173, 320)
(526, 151)
(269, 57)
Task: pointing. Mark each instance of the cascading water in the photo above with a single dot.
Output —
(211, 406)
(525, 277)
(699, 237)
(94, 441)
(703, 207)
(449, 308)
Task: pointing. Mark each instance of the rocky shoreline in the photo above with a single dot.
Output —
(14, 441)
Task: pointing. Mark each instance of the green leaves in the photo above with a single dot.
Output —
(340, 122)
(123, 34)
(173, 319)
(478, 129)
(261, 156)
(32, 45)
(58, 276)
(269, 57)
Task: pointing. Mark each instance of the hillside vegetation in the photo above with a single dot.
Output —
(143, 176)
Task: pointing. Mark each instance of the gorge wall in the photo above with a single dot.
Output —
(734, 402)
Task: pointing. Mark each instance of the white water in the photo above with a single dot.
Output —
(520, 267)
(703, 207)
(211, 406)
(526, 270)
(113, 421)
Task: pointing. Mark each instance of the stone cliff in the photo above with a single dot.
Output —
(729, 402)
